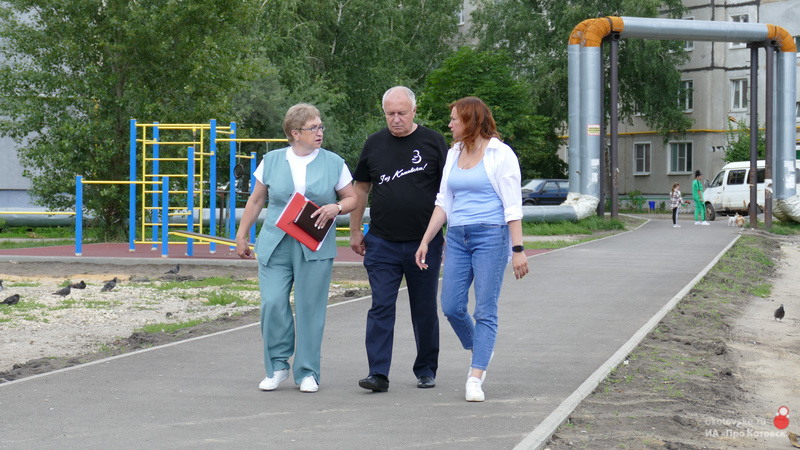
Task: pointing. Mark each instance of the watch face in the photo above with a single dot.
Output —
(518, 248)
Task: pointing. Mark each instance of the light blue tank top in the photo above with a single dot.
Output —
(474, 198)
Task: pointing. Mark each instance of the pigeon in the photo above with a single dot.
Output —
(109, 285)
(1, 286)
(174, 270)
(79, 285)
(63, 291)
(12, 300)
(779, 313)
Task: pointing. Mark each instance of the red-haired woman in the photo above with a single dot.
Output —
(481, 201)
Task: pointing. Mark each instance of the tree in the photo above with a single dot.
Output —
(535, 33)
(355, 50)
(739, 143)
(488, 75)
(73, 74)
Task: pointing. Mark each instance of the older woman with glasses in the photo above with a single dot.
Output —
(480, 199)
(284, 262)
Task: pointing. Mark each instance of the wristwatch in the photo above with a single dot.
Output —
(518, 248)
(340, 207)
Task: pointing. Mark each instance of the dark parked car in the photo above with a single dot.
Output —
(544, 192)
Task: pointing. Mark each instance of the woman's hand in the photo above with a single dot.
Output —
(325, 213)
(520, 263)
(243, 248)
(422, 251)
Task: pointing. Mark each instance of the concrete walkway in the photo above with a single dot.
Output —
(560, 328)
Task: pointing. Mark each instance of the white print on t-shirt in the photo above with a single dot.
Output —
(401, 173)
(416, 159)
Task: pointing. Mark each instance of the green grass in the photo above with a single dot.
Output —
(170, 327)
(21, 284)
(587, 226)
(37, 232)
(7, 245)
(224, 298)
(23, 305)
(228, 283)
(89, 304)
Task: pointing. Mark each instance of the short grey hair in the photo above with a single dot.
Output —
(409, 93)
(297, 116)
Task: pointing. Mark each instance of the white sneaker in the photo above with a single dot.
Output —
(704, 223)
(474, 391)
(309, 384)
(269, 384)
(697, 223)
(676, 226)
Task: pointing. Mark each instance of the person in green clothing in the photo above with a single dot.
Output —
(697, 195)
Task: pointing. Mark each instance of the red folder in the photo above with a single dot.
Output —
(286, 222)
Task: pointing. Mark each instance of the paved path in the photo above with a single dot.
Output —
(558, 328)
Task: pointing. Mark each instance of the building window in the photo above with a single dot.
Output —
(641, 159)
(797, 43)
(680, 157)
(687, 94)
(739, 94)
(739, 18)
(688, 45)
(797, 112)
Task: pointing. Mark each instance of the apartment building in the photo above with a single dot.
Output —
(716, 82)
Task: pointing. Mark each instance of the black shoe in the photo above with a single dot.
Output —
(376, 383)
(425, 382)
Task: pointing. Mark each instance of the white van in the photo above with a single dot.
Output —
(729, 191)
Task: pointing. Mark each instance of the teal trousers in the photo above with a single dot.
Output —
(284, 335)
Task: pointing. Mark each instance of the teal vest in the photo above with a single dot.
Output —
(322, 175)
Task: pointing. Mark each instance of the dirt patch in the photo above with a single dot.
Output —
(45, 332)
(714, 372)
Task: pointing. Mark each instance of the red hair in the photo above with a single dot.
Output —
(477, 119)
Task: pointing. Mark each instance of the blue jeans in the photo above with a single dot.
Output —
(476, 253)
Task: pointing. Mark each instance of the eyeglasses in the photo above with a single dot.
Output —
(314, 129)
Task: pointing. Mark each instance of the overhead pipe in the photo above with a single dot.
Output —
(580, 202)
(574, 108)
(787, 204)
(585, 97)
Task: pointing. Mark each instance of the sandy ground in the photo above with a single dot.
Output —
(713, 374)
(45, 331)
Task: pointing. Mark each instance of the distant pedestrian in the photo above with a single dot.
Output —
(697, 196)
(675, 201)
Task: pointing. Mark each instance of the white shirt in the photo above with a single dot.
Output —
(298, 166)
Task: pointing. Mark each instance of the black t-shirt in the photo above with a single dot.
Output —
(405, 173)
